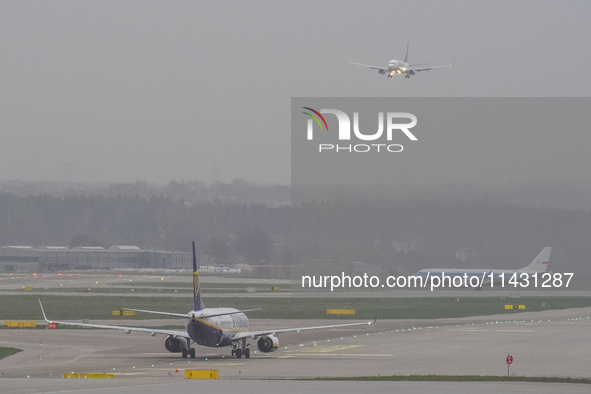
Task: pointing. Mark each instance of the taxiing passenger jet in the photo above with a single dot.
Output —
(538, 265)
(401, 67)
(212, 327)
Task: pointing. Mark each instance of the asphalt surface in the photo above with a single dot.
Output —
(548, 343)
(157, 386)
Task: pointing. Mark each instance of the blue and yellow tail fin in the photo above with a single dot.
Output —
(197, 301)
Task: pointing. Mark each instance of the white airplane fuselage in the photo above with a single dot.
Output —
(537, 266)
(486, 276)
(397, 67)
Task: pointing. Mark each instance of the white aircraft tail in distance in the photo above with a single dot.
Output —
(538, 265)
(211, 327)
(396, 67)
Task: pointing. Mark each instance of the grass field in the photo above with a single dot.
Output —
(26, 307)
(8, 351)
(461, 378)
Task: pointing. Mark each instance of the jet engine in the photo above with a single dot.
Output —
(268, 343)
(382, 71)
(173, 344)
(411, 72)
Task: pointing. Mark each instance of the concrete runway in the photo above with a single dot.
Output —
(548, 343)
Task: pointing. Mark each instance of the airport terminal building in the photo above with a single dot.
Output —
(61, 258)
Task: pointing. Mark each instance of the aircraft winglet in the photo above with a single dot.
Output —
(377, 312)
(42, 311)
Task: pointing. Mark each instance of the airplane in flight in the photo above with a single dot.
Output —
(212, 327)
(538, 265)
(401, 67)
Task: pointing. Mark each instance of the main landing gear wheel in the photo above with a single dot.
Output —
(184, 352)
(240, 348)
(192, 353)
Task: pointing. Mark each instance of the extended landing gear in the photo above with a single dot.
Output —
(407, 76)
(188, 351)
(239, 352)
(242, 350)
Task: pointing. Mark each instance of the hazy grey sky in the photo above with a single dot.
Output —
(489, 141)
(163, 90)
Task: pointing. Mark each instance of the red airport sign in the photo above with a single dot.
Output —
(509, 359)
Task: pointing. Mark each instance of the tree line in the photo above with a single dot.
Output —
(222, 230)
(500, 236)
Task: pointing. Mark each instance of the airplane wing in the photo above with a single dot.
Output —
(254, 334)
(185, 315)
(152, 331)
(419, 69)
(367, 65)
(202, 315)
(188, 315)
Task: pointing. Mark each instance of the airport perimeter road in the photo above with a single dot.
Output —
(549, 343)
